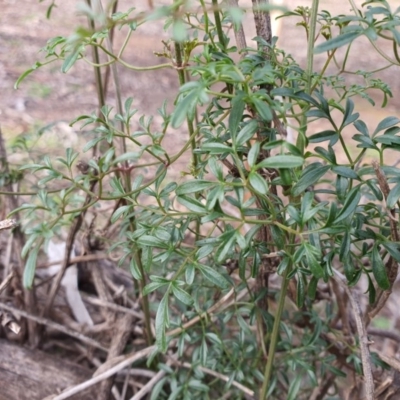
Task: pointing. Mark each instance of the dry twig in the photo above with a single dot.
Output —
(54, 325)
(362, 335)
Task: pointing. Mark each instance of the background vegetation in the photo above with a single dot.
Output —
(259, 270)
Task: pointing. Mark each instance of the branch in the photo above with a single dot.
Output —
(362, 335)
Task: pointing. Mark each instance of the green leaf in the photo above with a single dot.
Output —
(313, 264)
(135, 270)
(281, 161)
(294, 387)
(192, 204)
(236, 114)
(311, 174)
(300, 295)
(179, 33)
(350, 205)
(361, 126)
(183, 108)
(247, 132)
(386, 123)
(229, 239)
(379, 269)
(213, 276)
(30, 268)
(322, 136)
(182, 296)
(394, 249)
(365, 142)
(70, 60)
(152, 286)
(151, 241)
(263, 109)
(371, 291)
(129, 156)
(189, 274)
(393, 196)
(336, 42)
(216, 148)
(253, 154)
(258, 183)
(168, 189)
(345, 171)
(26, 73)
(312, 291)
(162, 321)
(194, 186)
(156, 391)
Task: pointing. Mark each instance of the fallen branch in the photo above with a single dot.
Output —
(54, 325)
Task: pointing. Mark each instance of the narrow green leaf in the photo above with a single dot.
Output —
(345, 171)
(216, 148)
(182, 296)
(70, 60)
(294, 387)
(247, 132)
(310, 176)
(182, 109)
(350, 205)
(258, 183)
(30, 268)
(26, 73)
(193, 186)
(379, 269)
(313, 263)
(371, 291)
(281, 161)
(322, 136)
(263, 109)
(162, 321)
(156, 391)
(312, 291)
(393, 196)
(152, 286)
(300, 291)
(135, 270)
(213, 276)
(151, 241)
(226, 246)
(168, 189)
(386, 123)
(394, 249)
(361, 126)
(129, 156)
(336, 42)
(192, 204)
(236, 114)
(190, 274)
(253, 154)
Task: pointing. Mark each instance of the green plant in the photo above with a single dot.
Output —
(243, 257)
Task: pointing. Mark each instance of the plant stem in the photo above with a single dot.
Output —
(182, 80)
(301, 139)
(274, 336)
(218, 24)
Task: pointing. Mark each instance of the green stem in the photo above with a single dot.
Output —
(301, 139)
(218, 24)
(192, 133)
(274, 336)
